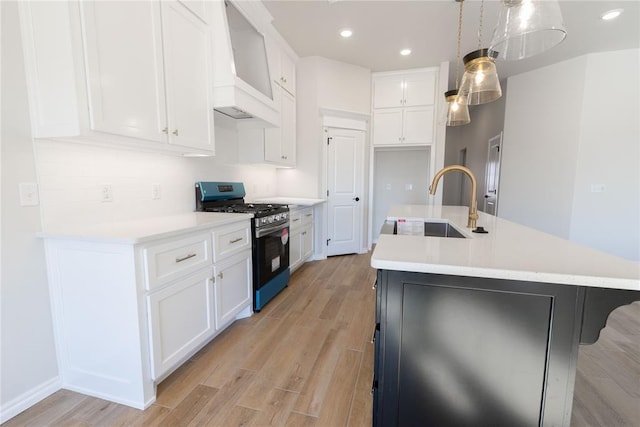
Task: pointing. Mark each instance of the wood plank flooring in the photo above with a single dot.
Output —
(307, 360)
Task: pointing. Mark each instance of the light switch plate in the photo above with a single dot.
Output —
(28, 194)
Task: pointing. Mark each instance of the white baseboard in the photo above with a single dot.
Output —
(26, 400)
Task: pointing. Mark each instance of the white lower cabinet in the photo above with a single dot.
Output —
(181, 318)
(301, 236)
(233, 283)
(127, 314)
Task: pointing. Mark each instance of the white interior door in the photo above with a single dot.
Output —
(492, 175)
(345, 159)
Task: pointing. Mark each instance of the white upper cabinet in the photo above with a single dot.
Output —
(281, 67)
(138, 73)
(280, 143)
(187, 46)
(405, 90)
(119, 65)
(403, 107)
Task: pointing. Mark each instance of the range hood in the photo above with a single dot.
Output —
(242, 82)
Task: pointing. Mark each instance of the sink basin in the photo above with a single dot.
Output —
(441, 229)
(415, 228)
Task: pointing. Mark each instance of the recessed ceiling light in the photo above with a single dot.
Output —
(405, 52)
(346, 33)
(611, 14)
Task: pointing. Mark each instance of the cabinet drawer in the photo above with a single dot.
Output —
(307, 216)
(231, 239)
(167, 261)
(295, 219)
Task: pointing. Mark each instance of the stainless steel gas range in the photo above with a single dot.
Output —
(270, 235)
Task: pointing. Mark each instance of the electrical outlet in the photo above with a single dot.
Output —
(155, 191)
(28, 194)
(106, 193)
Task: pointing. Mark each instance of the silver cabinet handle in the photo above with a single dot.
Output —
(295, 219)
(175, 132)
(235, 240)
(220, 275)
(212, 279)
(165, 130)
(308, 214)
(184, 258)
(304, 233)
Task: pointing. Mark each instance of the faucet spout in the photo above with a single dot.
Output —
(473, 204)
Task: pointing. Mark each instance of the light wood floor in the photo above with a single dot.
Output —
(307, 360)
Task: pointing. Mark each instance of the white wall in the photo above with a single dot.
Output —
(28, 366)
(321, 83)
(609, 154)
(541, 138)
(71, 177)
(568, 126)
(401, 178)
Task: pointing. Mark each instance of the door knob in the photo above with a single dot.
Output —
(486, 196)
(357, 199)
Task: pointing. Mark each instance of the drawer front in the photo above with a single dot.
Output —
(170, 260)
(307, 216)
(295, 219)
(231, 239)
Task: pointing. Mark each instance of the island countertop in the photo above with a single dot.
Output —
(509, 251)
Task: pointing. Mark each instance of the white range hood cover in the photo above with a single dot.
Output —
(242, 82)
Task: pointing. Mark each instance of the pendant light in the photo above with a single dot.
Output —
(526, 28)
(457, 113)
(480, 82)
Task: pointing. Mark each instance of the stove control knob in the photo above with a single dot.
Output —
(270, 219)
(276, 217)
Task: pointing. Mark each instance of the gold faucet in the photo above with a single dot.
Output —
(473, 204)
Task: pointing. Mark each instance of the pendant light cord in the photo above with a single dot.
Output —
(459, 38)
(480, 27)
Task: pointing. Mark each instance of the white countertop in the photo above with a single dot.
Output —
(145, 229)
(299, 201)
(508, 251)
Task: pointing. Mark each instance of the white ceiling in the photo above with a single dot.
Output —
(381, 28)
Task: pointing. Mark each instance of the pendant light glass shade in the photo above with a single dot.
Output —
(480, 83)
(526, 28)
(457, 114)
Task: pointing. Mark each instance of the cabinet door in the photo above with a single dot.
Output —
(288, 73)
(388, 92)
(295, 249)
(280, 142)
(233, 287)
(187, 46)
(123, 54)
(419, 89)
(417, 125)
(181, 320)
(288, 127)
(306, 239)
(387, 126)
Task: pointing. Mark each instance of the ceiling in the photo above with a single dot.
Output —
(381, 28)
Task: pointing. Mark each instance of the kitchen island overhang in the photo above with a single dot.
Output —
(493, 319)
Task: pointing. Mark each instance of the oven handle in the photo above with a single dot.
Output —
(261, 232)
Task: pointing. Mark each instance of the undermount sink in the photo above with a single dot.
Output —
(419, 228)
(441, 229)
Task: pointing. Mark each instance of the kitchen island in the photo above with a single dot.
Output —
(485, 329)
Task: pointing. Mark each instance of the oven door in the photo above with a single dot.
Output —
(270, 253)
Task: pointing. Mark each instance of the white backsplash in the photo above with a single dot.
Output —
(72, 175)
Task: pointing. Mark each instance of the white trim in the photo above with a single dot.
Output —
(29, 398)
